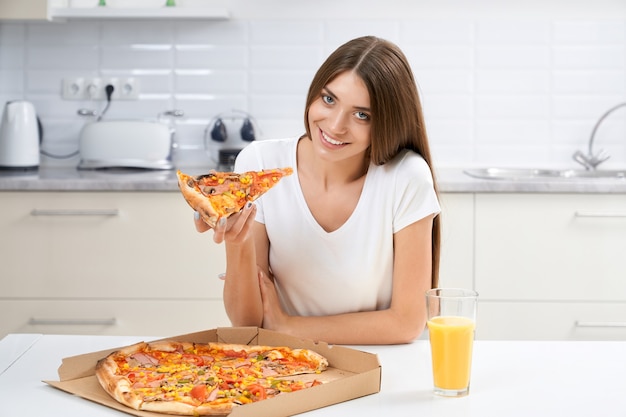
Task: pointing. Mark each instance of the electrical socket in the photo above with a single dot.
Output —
(80, 88)
(74, 88)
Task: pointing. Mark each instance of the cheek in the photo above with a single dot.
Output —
(364, 133)
(316, 111)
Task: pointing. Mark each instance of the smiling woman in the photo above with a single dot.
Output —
(343, 250)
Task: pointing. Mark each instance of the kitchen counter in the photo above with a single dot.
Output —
(509, 378)
(450, 180)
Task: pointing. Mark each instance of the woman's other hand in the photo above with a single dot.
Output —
(274, 318)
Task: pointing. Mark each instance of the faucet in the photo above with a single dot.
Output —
(591, 161)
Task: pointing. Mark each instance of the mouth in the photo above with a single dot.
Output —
(327, 139)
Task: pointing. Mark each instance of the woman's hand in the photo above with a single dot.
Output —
(234, 229)
(274, 318)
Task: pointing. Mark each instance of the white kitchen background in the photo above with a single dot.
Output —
(502, 83)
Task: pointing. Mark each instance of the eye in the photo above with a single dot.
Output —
(327, 99)
(362, 115)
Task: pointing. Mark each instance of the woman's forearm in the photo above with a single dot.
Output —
(242, 296)
(363, 328)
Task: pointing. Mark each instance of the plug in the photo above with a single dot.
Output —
(109, 91)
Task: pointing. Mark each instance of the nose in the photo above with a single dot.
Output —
(338, 121)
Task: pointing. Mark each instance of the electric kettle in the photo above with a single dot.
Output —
(20, 136)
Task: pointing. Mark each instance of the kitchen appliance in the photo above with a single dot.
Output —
(226, 135)
(20, 136)
(126, 144)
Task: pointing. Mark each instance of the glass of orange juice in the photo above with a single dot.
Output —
(451, 324)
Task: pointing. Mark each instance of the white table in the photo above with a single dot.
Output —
(509, 378)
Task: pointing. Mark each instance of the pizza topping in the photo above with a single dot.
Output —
(206, 377)
(220, 194)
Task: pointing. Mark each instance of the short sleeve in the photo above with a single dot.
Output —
(415, 196)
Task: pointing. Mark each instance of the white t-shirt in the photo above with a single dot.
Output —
(349, 269)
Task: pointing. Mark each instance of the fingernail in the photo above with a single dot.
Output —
(222, 222)
(196, 215)
(249, 205)
(222, 276)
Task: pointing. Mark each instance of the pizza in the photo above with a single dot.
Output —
(220, 194)
(204, 379)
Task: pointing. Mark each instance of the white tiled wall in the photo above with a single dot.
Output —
(504, 91)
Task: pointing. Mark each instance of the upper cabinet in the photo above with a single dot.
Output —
(207, 13)
(24, 10)
(58, 10)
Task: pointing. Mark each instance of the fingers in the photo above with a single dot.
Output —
(238, 226)
(200, 224)
(220, 230)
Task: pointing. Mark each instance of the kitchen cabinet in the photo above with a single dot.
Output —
(23, 10)
(457, 240)
(547, 266)
(205, 13)
(45, 10)
(106, 263)
(551, 266)
(132, 263)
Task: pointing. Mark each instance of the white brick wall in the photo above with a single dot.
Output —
(516, 89)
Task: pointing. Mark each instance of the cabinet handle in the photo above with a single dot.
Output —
(598, 214)
(580, 323)
(69, 212)
(72, 322)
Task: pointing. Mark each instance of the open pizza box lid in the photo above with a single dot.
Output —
(351, 374)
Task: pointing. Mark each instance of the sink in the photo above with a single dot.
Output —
(525, 174)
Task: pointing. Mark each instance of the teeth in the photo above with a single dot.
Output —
(330, 140)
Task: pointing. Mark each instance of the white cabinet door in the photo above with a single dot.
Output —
(509, 320)
(457, 240)
(23, 10)
(105, 245)
(551, 247)
(115, 317)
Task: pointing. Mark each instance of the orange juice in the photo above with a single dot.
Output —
(451, 340)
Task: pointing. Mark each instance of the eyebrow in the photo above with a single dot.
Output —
(330, 93)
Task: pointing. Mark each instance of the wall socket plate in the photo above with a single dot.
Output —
(94, 88)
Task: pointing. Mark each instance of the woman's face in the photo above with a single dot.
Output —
(340, 118)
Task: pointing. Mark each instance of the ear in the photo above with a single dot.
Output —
(218, 132)
(247, 131)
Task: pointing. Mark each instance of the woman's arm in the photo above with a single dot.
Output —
(402, 322)
(242, 295)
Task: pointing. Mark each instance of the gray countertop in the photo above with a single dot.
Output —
(451, 180)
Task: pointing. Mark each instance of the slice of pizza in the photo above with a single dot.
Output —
(220, 194)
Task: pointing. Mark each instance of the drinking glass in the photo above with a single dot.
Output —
(451, 324)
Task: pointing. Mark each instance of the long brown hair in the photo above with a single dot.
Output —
(397, 117)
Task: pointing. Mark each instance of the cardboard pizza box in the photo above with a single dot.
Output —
(351, 374)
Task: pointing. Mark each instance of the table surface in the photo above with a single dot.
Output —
(509, 378)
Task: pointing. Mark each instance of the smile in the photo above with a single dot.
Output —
(331, 140)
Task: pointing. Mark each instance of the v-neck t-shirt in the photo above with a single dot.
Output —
(349, 269)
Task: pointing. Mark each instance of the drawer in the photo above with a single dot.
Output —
(550, 321)
(105, 245)
(551, 247)
(111, 317)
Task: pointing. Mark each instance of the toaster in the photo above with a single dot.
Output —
(126, 144)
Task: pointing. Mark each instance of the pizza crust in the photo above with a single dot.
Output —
(197, 200)
(117, 386)
(172, 407)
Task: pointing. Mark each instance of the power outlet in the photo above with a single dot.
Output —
(74, 88)
(79, 88)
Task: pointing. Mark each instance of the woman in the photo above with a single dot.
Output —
(343, 250)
